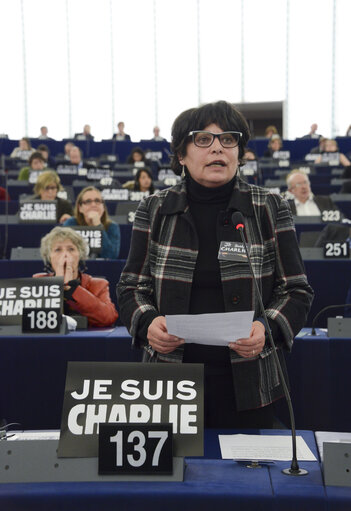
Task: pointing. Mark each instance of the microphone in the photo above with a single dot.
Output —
(313, 329)
(294, 470)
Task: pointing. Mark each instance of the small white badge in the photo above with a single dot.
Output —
(233, 251)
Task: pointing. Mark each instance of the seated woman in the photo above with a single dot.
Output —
(137, 155)
(90, 209)
(331, 146)
(23, 150)
(275, 144)
(143, 182)
(46, 188)
(64, 252)
(36, 163)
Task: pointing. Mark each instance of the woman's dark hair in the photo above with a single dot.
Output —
(137, 178)
(224, 114)
(136, 150)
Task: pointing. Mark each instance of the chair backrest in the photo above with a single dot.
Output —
(27, 254)
(308, 238)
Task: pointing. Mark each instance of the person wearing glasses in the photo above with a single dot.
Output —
(303, 201)
(90, 209)
(46, 187)
(173, 268)
(64, 253)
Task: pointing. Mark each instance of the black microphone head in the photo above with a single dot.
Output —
(238, 220)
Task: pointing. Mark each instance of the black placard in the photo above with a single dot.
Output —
(37, 211)
(336, 250)
(135, 449)
(332, 215)
(41, 321)
(126, 393)
(29, 293)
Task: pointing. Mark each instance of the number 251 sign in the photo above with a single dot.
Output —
(135, 449)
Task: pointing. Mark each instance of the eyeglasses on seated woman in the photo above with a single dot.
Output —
(46, 188)
(64, 252)
(90, 210)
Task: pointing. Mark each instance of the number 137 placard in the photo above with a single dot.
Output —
(135, 449)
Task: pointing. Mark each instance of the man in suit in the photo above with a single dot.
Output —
(305, 203)
(313, 132)
(86, 135)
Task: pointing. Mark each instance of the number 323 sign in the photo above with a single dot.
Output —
(135, 449)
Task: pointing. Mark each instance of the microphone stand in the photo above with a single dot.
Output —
(294, 469)
(6, 237)
(313, 329)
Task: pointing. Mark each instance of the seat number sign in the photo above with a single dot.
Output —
(337, 250)
(41, 321)
(128, 449)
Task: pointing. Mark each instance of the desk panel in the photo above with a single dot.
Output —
(33, 371)
(208, 484)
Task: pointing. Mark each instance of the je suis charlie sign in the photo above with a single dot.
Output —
(29, 293)
(131, 393)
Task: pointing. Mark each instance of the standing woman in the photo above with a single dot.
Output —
(90, 210)
(173, 268)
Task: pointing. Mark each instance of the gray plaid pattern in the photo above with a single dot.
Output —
(158, 276)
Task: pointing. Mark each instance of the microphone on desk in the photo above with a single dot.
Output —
(328, 307)
(294, 470)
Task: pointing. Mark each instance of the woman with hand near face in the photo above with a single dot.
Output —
(64, 252)
(46, 188)
(173, 268)
(90, 210)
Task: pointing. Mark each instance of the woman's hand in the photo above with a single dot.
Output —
(64, 268)
(159, 339)
(92, 218)
(64, 217)
(253, 345)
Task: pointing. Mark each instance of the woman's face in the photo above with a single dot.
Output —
(330, 146)
(137, 156)
(64, 252)
(49, 192)
(37, 164)
(91, 202)
(23, 145)
(144, 181)
(211, 166)
(275, 144)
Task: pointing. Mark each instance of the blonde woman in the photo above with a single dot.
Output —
(46, 188)
(64, 252)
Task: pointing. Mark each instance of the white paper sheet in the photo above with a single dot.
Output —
(330, 436)
(215, 329)
(263, 447)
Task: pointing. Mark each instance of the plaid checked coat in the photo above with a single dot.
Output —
(157, 278)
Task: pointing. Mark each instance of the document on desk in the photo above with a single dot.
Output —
(217, 329)
(263, 448)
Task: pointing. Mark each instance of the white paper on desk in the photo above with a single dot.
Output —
(218, 329)
(263, 447)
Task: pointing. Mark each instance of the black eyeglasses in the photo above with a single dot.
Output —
(227, 139)
(88, 202)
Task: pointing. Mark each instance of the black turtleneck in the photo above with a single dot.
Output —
(207, 206)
